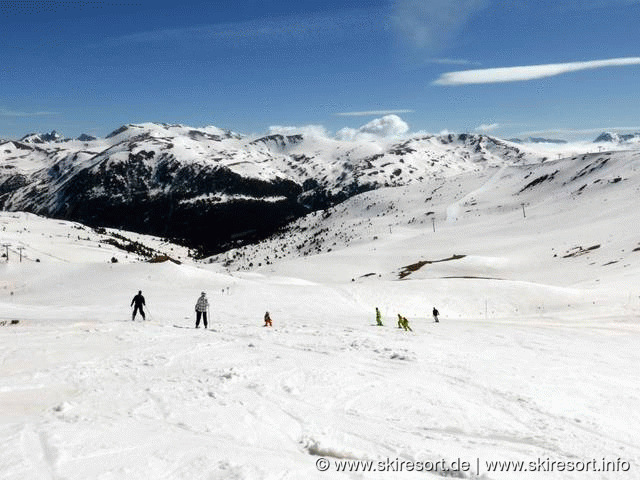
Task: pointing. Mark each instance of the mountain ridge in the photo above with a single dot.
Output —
(220, 187)
(620, 138)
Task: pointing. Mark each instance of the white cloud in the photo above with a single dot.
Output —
(384, 127)
(347, 133)
(431, 24)
(531, 72)
(292, 26)
(372, 112)
(307, 130)
(485, 128)
(13, 113)
(387, 126)
(452, 61)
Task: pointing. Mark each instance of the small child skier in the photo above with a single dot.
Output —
(267, 320)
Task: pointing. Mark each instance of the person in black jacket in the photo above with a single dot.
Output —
(435, 313)
(138, 300)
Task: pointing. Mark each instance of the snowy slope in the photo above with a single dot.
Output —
(576, 203)
(534, 359)
(45, 240)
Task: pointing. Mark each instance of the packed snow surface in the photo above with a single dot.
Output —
(534, 359)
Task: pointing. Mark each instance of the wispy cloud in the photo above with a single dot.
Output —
(485, 128)
(372, 112)
(578, 131)
(275, 27)
(431, 24)
(452, 61)
(13, 113)
(318, 131)
(434, 24)
(531, 72)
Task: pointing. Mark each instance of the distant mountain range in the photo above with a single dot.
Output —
(53, 136)
(213, 188)
(611, 137)
(537, 140)
(618, 138)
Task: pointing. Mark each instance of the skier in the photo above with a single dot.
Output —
(403, 323)
(267, 320)
(138, 300)
(378, 317)
(202, 305)
(435, 314)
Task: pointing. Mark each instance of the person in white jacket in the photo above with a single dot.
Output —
(202, 307)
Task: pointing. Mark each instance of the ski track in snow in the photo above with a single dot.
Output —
(453, 210)
(293, 393)
(535, 357)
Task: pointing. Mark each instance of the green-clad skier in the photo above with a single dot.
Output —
(403, 323)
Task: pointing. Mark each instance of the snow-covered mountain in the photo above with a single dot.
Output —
(50, 137)
(54, 137)
(621, 138)
(212, 187)
(539, 140)
(83, 137)
(586, 194)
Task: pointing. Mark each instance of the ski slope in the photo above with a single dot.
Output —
(534, 360)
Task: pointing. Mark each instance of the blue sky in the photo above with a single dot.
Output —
(91, 66)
